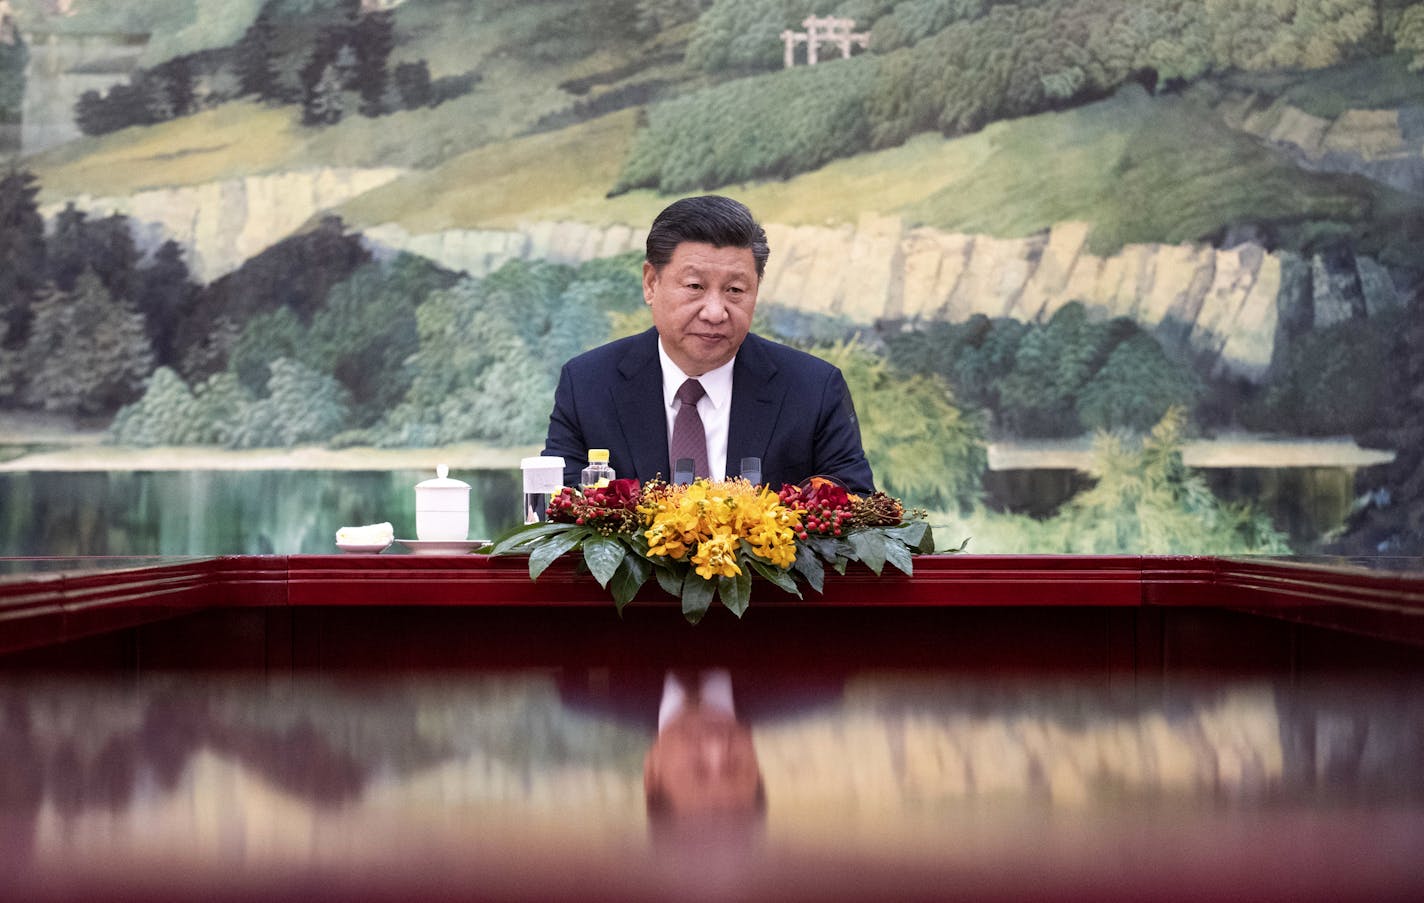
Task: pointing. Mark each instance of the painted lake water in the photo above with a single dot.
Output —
(229, 512)
(224, 512)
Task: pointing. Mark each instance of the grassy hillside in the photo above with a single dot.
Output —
(521, 54)
(1140, 168)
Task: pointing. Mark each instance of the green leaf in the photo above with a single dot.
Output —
(839, 563)
(783, 579)
(632, 573)
(911, 534)
(870, 547)
(898, 554)
(543, 555)
(823, 546)
(926, 546)
(603, 554)
(670, 580)
(808, 565)
(696, 596)
(736, 592)
(520, 538)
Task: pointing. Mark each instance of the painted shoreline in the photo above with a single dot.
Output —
(1235, 450)
(76, 448)
(468, 456)
(80, 452)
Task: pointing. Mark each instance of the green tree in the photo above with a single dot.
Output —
(220, 403)
(324, 102)
(164, 416)
(974, 356)
(1285, 34)
(165, 296)
(805, 117)
(1409, 35)
(1136, 387)
(22, 255)
(67, 248)
(919, 444)
(14, 55)
(413, 84)
(367, 331)
(175, 80)
(268, 337)
(373, 38)
(256, 58)
(87, 353)
(743, 34)
(1330, 381)
(656, 16)
(914, 20)
(302, 406)
(1052, 364)
(1147, 502)
(461, 340)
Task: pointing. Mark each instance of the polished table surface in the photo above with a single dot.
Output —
(391, 727)
(48, 601)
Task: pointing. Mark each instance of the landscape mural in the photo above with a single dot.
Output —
(1104, 276)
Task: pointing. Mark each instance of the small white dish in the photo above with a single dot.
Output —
(442, 546)
(363, 548)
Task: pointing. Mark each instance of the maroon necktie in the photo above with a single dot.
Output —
(688, 439)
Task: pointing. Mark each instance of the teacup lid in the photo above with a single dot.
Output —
(541, 462)
(442, 480)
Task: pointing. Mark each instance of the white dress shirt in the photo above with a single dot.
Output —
(714, 692)
(715, 408)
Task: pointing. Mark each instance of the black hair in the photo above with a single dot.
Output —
(710, 219)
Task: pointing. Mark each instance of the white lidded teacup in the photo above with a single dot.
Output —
(442, 508)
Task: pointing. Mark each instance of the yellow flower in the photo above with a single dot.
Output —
(717, 557)
(713, 519)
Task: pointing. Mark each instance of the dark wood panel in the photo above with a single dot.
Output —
(1113, 614)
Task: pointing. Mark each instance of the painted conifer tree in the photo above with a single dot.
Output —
(22, 254)
(256, 65)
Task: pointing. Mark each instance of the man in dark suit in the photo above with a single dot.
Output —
(698, 380)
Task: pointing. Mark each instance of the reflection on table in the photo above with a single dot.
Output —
(921, 775)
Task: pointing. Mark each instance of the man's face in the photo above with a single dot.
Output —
(702, 301)
(705, 763)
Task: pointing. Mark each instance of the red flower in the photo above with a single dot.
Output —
(622, 494)
(824, 503)
(605, 506)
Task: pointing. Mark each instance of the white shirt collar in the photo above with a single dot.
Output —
(716, 383)
(714, 692)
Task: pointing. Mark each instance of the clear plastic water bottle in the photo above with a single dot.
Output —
(597, 474)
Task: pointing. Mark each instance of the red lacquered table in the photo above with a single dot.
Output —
(1113, 614)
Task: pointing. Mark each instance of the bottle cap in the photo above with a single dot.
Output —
(598, 454)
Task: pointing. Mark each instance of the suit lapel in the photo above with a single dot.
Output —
(757, 396)
(639, 402)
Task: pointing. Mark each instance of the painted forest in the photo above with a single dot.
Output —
(1160, 125)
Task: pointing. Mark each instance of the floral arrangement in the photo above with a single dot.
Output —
(705, 540)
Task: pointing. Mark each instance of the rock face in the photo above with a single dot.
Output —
(1386, 146)
(1220, 304)
(222, 224)
(480, 252)
(1226, 307)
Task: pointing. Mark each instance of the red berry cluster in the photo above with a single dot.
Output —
(609, 508)
(825, 507)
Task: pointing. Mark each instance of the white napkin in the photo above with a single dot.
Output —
(369, 535)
